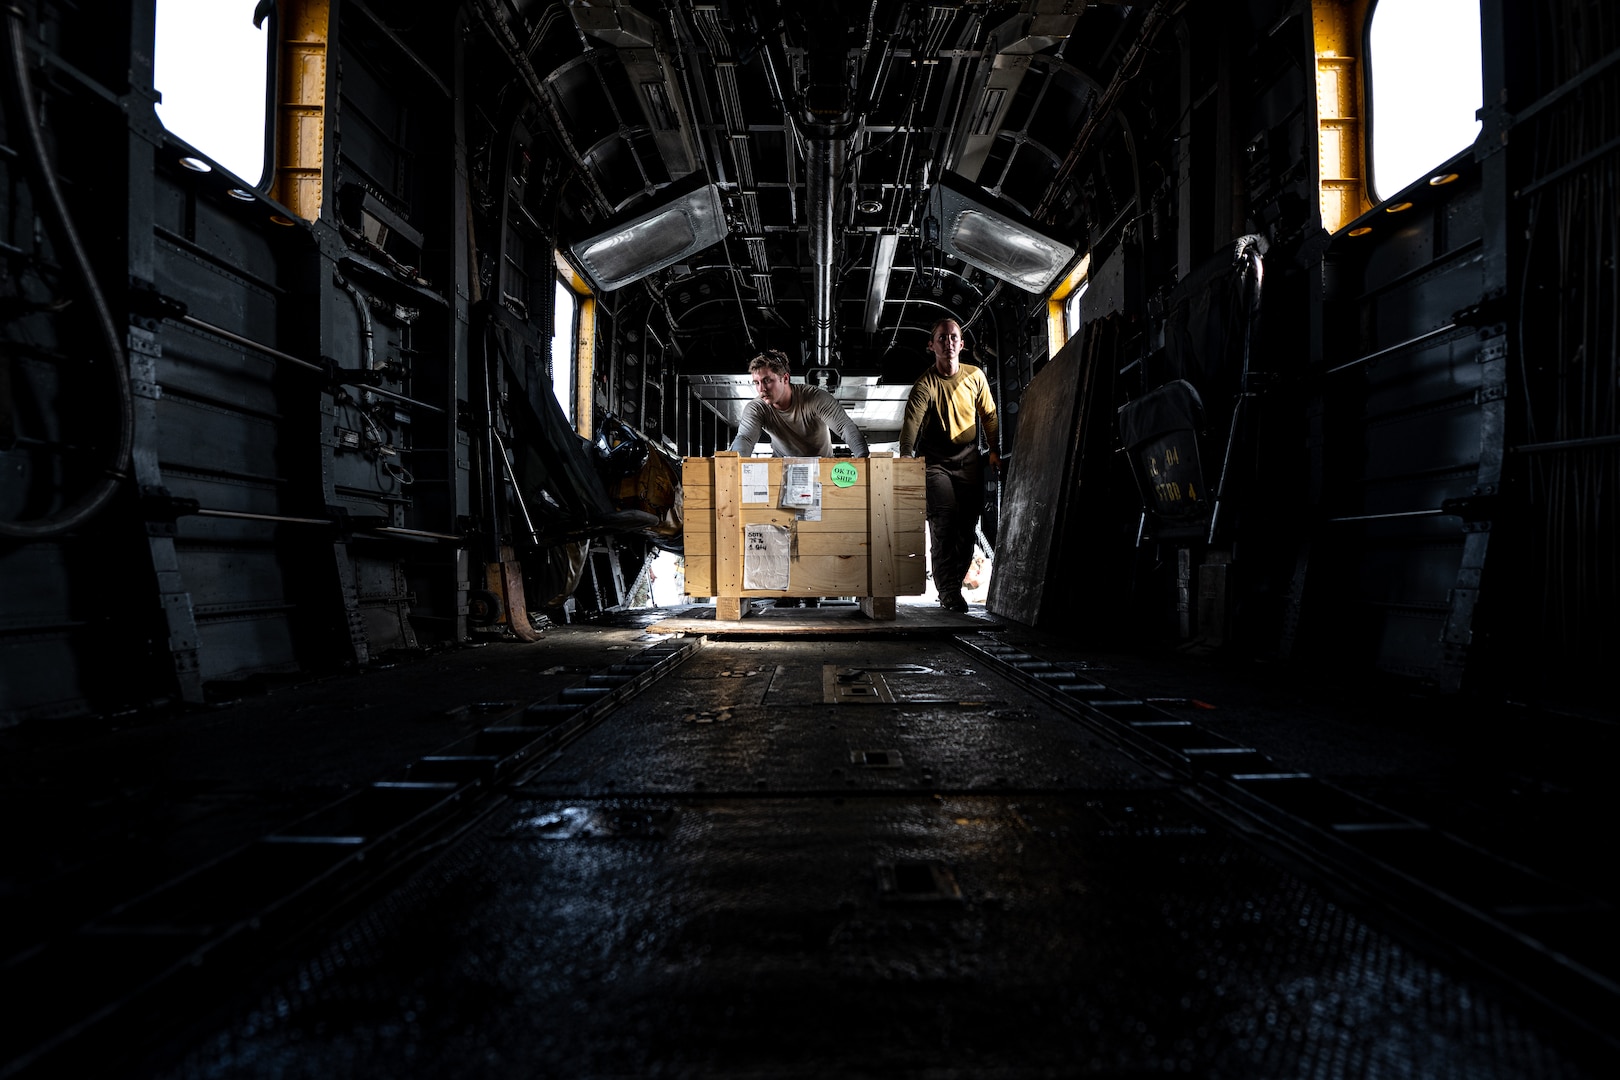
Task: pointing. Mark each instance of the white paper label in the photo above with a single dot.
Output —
(756, 482)
(798, 483)
(767, 551)
(813, 511)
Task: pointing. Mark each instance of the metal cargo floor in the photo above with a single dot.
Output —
(964, 851)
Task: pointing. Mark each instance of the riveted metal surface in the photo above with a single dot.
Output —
(714, 883)
(1102, 933)
(765, 726)
(177, 938)
(1539, 928)
(691, 889)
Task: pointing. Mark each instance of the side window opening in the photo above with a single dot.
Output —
(212, 67)
(1424, 87)
(564, 348)
(1063, 306)
(573, 347)
(1071, 308)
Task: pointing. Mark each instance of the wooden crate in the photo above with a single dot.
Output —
(868, 543)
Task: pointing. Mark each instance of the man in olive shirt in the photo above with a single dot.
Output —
(799, 419)
(944, 414)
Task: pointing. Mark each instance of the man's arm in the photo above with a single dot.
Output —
(989, 422)
(753, 422)
(916, 410)
(828, 409)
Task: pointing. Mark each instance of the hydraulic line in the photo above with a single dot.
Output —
(365, 318)
(25, 119)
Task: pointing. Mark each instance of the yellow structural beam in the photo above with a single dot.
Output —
(301, 107)
(1341, 137)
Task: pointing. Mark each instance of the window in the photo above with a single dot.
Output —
(212, 65)
(564, 339)
(1071, 308)
(573, 346)
(1063, 306)
(1424, 85)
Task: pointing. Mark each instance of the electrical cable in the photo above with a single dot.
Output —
(365, 318)
(25, 119)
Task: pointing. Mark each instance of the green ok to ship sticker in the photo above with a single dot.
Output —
(844, 474)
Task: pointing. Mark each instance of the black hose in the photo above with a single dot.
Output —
(25, 120)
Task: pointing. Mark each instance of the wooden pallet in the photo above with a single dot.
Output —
(833, 619)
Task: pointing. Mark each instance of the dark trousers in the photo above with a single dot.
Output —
(955, 499)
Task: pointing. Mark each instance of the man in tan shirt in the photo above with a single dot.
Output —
(947, 408)
(799, 419)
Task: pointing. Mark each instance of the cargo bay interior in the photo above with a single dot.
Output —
(357, 718)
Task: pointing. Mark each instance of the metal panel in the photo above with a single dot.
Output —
(227, 578)
(375, 128)
(199, 434)
(44, 676)
(213, 292)
(380, 603)
(42, 626)
(1406, 433)
(244, 644)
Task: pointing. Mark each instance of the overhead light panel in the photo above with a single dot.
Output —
(878, 284)
(653, 239)
(996, 238)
